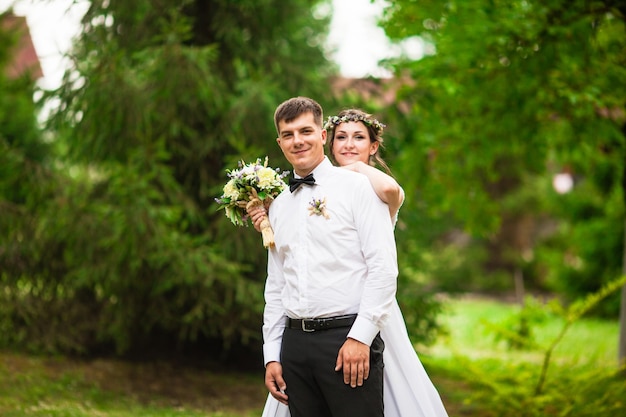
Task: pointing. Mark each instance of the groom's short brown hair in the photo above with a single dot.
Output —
(290, 109)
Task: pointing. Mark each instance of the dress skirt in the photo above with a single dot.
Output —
(408, 391)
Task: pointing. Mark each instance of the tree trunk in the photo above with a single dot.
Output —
(621, 352)
(622, 315)
(520, 295)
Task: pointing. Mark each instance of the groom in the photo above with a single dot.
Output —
(331, 279)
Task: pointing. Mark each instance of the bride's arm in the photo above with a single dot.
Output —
(386, 188)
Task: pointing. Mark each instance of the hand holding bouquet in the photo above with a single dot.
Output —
(251, 185)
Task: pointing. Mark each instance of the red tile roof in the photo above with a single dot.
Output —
(25, 56)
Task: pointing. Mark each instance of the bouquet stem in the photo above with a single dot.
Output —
(266, 227)
(267, 233)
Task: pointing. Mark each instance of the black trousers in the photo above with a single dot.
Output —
(315, 389)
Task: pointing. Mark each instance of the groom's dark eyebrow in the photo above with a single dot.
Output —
(285, 132)
(300, 129)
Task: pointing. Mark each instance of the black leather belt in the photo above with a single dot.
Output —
(312, 325)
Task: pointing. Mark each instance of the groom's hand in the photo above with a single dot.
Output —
(274, 381)
(256, 215)
(354, 358)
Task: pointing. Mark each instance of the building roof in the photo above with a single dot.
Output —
(25, 56)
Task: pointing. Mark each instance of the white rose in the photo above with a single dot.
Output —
(267, 177)
(231, 191)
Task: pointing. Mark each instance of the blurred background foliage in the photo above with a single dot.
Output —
(110, 241)
(508, 95)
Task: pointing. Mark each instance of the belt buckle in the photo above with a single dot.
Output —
(304, 329)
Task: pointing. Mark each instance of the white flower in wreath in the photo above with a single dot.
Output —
(318, 207)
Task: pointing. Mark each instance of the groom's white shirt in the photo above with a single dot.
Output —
(325, 267)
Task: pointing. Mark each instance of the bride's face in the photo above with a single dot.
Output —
(352, 143)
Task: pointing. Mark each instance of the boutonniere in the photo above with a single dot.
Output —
(318, 207)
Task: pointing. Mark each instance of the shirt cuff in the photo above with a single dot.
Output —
(271, 352)
(363, 330)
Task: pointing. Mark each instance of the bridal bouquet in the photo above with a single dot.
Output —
(251, 185)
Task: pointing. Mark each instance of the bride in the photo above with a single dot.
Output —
(354, 138)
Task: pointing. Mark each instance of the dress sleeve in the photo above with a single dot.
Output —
(395, 217)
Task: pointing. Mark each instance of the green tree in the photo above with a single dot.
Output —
(510, 93)
(27, 180)
(130, 253)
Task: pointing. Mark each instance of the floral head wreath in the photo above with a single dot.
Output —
(333, 121)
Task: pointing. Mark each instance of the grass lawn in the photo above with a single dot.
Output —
(55, 387)
(470, 323)
(470, 359)
(63, 387)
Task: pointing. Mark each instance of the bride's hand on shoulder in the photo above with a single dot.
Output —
(353, 166)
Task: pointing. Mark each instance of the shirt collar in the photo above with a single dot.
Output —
(323, 169)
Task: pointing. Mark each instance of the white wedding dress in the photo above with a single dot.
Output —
(408, 391)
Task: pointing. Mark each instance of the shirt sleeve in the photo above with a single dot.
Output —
(274, 317)
(378, 247)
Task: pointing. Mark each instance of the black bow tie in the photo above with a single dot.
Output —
(294, 183)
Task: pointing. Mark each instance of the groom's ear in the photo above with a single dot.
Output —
(324, 135)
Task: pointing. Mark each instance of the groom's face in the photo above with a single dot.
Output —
(302, 142)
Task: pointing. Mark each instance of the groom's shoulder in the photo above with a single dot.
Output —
(282, 195)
